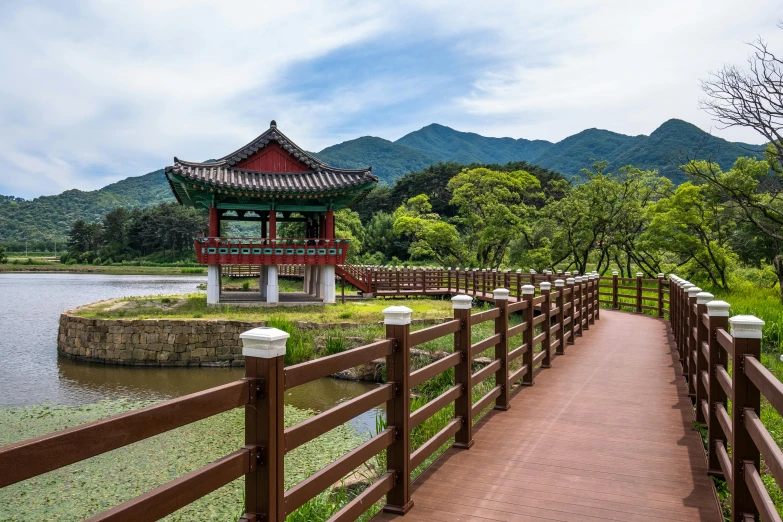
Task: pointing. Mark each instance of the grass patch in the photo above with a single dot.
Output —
(369, 311)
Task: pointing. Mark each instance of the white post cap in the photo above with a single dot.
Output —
(545, 285)
(448, 268)
(500, 293)
(559, 272)
(461, 302)
(578, 279)
(567, 273)
(532, 271)
(718, 309)
(264, 342)
(528, 289)
(685, 286)
(570, 281)
(639, 274)
(704, 297)
(746, 326)
(559, 283)
(615, 272)
(661, 276)
(519, 271)
(692, 291)
(397, 315)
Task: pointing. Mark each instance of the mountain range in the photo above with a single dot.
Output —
(670, 145)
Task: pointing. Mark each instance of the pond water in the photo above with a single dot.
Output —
(31, 372)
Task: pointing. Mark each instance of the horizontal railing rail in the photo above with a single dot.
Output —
(551, 319)
(721, 362)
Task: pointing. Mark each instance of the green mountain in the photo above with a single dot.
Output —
(447, 144)
(670, 145)
(49, 218)
(389, 160)
(674, 143)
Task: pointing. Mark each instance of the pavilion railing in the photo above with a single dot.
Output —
(551, 320)
(722, 365)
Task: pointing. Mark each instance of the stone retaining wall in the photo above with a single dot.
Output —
(152, 342)
(159, 342)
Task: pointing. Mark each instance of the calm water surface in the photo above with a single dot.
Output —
(31, 372)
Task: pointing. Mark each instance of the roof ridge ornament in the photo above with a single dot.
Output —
(272, 124)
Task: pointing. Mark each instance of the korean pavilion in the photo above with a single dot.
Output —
(271, 180)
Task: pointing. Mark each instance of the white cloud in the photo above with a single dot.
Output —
(97, 91)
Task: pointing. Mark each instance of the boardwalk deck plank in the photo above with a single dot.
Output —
(605, 434)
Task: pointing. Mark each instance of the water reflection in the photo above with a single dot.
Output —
(32, 373)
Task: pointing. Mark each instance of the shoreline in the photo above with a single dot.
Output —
(97, 269)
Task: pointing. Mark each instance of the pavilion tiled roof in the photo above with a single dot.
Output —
(223, 173)
(323, 179)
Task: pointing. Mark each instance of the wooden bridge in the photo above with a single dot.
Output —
(604, 433)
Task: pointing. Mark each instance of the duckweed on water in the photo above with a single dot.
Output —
(89, 487)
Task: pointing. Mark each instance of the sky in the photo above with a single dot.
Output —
(95, 91)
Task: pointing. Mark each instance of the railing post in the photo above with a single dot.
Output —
(559, 301)
(660, 295)
(546, 326)
(592, 283)
(462, 304)
(597, 296)
(718, 312)
(264, 350)
(501, 349)
(519, 285)
(690, 342)
(578, 302)
(639, 292)
(570, 284)
(682, 342)
(528, 294)
(702, 336)
(398, 327)
(746, 330)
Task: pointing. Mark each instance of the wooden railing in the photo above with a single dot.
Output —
(722, 366)
(550, 321)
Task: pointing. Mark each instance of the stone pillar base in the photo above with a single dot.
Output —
(329, 290)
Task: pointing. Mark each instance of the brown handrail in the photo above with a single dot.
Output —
(32, 457)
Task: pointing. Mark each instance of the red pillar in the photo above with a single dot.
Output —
(321, 227)
(272, 224)
(214, 222)
(329, 232)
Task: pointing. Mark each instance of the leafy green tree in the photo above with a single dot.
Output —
(380, 237)
(492, 207)
(348, 225)
(3, 256)
(115, 234)
(84, 237)
(754, 194)
(432, 238)
(694, 226)
(601, 218)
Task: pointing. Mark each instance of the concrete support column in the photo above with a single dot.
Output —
(263, 280)
(272, 288)
(319, 281)
(330, 293)
(306, 284)
(213, 284)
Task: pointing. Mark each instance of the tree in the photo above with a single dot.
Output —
(694, 226)
(347, 225)
(601, 218)
(380, 237)
(84, 237)
(3, 256)
(755, 206)
(115, 233)
(492, 207)
(432, 238)
(752, 98)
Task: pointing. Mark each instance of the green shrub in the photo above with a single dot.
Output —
(246, 286)
(345, 315)
(335, 343)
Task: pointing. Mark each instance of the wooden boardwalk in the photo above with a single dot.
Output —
(605, 434)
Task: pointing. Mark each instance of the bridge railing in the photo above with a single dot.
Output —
(551, 319)
(721, 361)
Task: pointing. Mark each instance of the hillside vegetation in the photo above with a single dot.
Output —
(48, 218)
